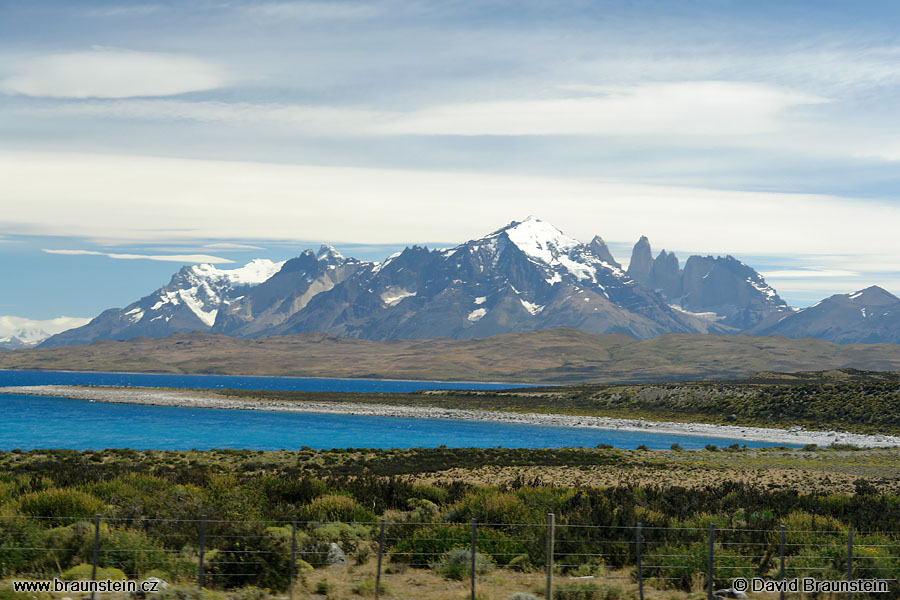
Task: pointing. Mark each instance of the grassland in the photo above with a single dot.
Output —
(561, 355)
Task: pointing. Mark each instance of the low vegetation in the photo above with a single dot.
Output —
(250, 499)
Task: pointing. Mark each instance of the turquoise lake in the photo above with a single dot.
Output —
(31, 422)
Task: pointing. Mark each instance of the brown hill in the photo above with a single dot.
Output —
(544, 356)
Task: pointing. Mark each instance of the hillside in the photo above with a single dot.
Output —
(561, 355)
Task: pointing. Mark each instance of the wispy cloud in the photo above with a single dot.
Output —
(113, 73)
(179, 258)
(232, 246)
(707, 108)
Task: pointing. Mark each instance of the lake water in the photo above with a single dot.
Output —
(31, 422)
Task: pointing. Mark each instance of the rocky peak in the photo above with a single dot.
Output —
(641, 262)
(601, 250)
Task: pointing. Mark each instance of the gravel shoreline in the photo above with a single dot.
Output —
(205, 399)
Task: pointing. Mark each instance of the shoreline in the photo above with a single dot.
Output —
(207, 399)
(513, 384)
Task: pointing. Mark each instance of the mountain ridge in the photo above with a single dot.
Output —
(527, 275)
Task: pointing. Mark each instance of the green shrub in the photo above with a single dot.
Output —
(333, 507)
(425, 543)
(457, 563)
(60, 506)
(492, 506)
(187, 592)
(366, 587)
(578, 591)
(82, 572)
(323, 587)
(249, 593)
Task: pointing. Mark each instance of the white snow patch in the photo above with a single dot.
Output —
(480, 299)
(392, 299)
(531, 307)
(706, 316)
(254, 272)
(135, 314)
(555, 279)
(856, 295)
(862, 311)
(477, 314)
(540, 240)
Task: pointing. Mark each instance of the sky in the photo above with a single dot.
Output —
(138, 137)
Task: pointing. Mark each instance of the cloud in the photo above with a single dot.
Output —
(113, 73)
(185, 200)
(179, 258)
(232, 246)
(710, 108)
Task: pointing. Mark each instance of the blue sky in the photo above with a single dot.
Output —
(182, 131)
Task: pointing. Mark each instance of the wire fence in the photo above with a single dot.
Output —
(547, 558)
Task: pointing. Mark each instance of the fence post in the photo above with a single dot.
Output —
(709, 563)
(96, 553)
(850, 559)
(380, 554)
(293, 558)
(551, 532)
(200, 577)
(640, 570)
(472, 569)
(781, 557)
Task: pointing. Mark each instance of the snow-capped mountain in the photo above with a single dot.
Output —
(287, 292)
(527, 275)
(190, 302)
(867, 316)
(20, 332)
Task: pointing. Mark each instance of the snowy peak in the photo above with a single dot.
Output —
(254, 272)
(539, 240)
(329, 254)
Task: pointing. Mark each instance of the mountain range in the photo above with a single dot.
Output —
(523, 277)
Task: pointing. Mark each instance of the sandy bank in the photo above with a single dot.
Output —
(206, 399)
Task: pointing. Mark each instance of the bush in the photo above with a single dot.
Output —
(249, 593)
(323, 587)
(82, 572)
(60, 507)
(522, 596)
(366, 587)
(457, 563)
(578, 591)
(424, 544)
(333, 507)
(187, 592)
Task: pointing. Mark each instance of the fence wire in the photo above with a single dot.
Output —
(543, 557)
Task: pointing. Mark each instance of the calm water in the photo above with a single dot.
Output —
(39, 422)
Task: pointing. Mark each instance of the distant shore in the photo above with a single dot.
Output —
(209, 399)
